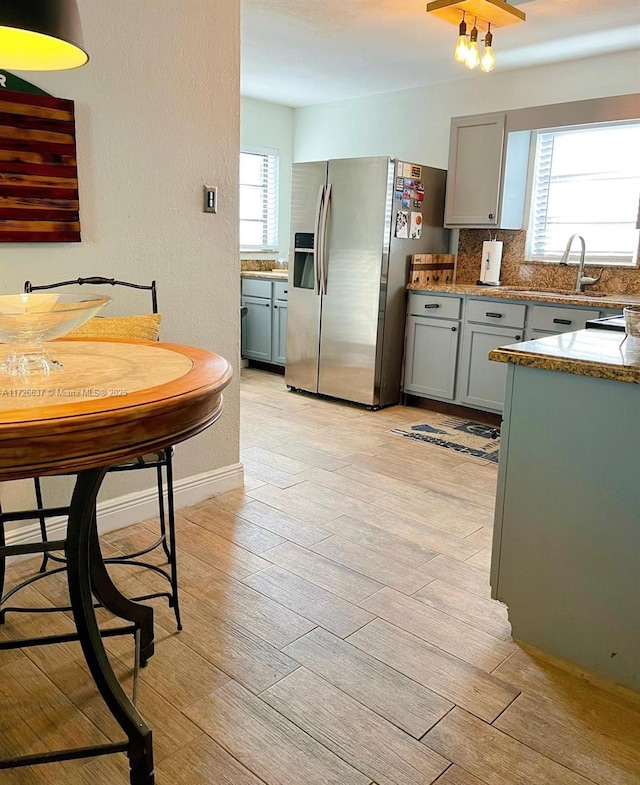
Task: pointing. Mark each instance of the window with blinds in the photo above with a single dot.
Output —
(258, 200)
(586, 180)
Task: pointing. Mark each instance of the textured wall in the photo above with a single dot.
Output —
(157, 112)
(414, 124)
(271, 125)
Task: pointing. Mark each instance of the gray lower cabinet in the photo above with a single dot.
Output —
(449, 338)
(257, 329)
(431, 356)
(279, 332)
(549, 320)
(482, 381)
(264, 327)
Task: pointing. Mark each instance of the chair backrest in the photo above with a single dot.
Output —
(145, 326)
(97, 280)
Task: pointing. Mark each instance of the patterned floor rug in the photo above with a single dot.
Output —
(465, 436)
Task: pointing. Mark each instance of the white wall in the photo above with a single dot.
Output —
(157, 113)
(414, 124)
(271, 125)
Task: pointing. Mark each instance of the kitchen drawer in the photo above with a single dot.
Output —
(280, 290)
(496, 312)
(559, 320)
(434, 305)
(256, 287)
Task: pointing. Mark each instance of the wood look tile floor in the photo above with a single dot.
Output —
(338, 630)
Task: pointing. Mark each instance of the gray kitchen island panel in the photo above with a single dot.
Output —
(566, 555)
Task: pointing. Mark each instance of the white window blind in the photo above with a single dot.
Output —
(259, 200)
(586, 180)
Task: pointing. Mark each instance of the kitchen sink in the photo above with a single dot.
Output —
(593, 294)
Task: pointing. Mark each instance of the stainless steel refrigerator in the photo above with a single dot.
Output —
(355, 223)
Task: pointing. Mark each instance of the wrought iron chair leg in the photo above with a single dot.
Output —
(162, 512)
(173, 551)
(83, 555)
(136, 666)
(43, 522)
(3, 566)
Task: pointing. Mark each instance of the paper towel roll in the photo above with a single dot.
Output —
(491, 260)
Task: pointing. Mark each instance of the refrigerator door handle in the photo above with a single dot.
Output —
(325, 223)
(317, 246)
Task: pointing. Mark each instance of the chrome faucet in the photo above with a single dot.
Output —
(582, 280)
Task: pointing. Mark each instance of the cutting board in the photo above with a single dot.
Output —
(433, 268)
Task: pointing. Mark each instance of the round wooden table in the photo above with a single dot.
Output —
(112, 400)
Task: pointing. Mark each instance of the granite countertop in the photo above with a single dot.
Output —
(555, 296)
(271, 275)
(603, 354)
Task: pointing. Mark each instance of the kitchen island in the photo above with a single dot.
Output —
(566, 549)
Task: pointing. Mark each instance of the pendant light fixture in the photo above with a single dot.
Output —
(462, 47)
(488, 62)
(487, 14)
(473, 54)
(40, 35)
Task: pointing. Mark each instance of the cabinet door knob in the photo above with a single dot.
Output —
(518, 337)
(275, 306)
(454, 329)
(491, 215)
(266, 305)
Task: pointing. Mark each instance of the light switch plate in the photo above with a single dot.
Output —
(210, 199)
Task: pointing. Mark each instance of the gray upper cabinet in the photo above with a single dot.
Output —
(487, 176)
(475, 166)
(489, 157)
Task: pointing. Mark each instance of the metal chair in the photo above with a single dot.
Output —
(160, 461)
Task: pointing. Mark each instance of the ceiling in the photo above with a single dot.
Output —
(304, 52)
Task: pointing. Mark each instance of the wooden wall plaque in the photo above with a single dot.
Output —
(38, 169)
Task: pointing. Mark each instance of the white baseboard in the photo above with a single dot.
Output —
(135, 507)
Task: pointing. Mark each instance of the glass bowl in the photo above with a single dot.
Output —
(29, 320)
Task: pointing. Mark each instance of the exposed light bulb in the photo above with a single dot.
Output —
(462, 48)
(473, 55)
(488, 62)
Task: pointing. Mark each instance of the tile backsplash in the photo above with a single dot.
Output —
(516, 272)
(262, 265)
